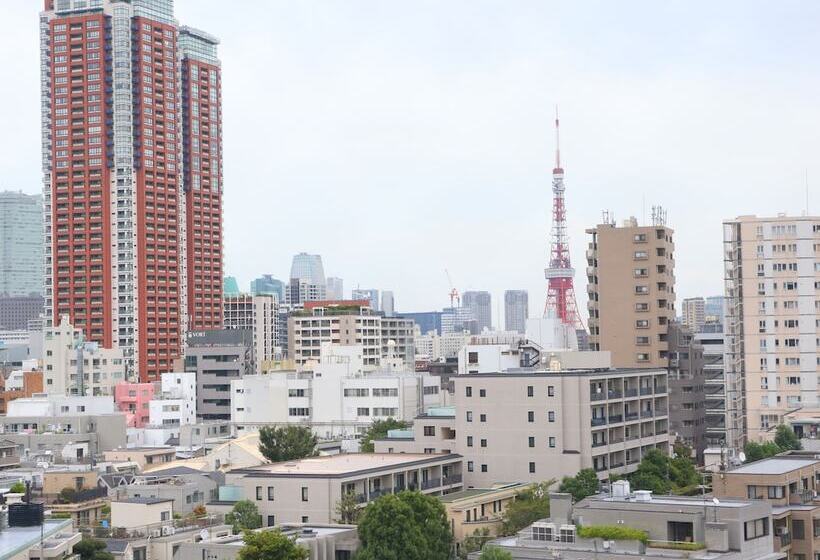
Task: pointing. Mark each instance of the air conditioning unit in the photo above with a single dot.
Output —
(167, 530)
(156, 533)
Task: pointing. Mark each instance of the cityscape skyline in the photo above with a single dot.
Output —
(617, 148)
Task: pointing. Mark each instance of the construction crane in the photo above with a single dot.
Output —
(454, 296)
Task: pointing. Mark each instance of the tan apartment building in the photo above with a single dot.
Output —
(530, 426)
(693, 313)
(145, 457)
(475, 509)
(789, 483)
(307, 490)
(631, 287)
(257, 314)
(772, 278)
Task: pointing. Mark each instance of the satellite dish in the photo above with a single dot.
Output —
(716, 501)
(742, 457)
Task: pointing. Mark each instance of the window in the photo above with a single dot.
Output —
(469, 416)
(469, 441)
(532, 467)
(363, 411)
(482, 418)
(472, 357)
(270, 493)
(551, 416)
(550, 391)
(541, 533)
(798, 529)
(483, 468)
(756, 528)
(531, 441)
(530, 416)
(552, 441)
(304, 493)
(530, 391)
(259, 493)
(482, 392)
(469, 466)
(468, 391)
(483, 442)
(429, 430)
(271, 520)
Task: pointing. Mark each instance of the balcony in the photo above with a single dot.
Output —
(431, 483)
(631, 393)
(660, 389)
(631, 416)
(646, 390)
(379, 492)
(613, 394)
(646, 414)
(452, 479)
(598, 422)
(598, 444)
(615, 418)
(597, 396)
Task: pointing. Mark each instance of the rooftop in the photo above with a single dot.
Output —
(532, 372)
(344, 464)
(147, 500)
(775, 465)
(474, 492)
(14, 540)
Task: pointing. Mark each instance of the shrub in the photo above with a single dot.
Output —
(613, 533)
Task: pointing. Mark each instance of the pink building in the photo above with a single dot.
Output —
(132, 399)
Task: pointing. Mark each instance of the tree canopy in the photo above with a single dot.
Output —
(271, 545)
(347, 509)
(663, 474)
(378, 430)
(18, 488)
(287, 443)
(529, 506)
(495, 553)
(404, 526)
(92, 549)
(244, 516)
(582, 485)
(786, 439)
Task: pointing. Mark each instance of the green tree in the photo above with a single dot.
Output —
(287, 443)
(92, 549)
(18, 488)
(378, 430)
(67, 495)
(756, 451)
(529, 506)
(652, 473)
(404, 526)
(347, 509)
(271, 545)
(473, 543)
(243, 516)
(786, 439)
(582, 485)
(495, 553)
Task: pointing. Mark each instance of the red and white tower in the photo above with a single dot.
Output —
(560, 293)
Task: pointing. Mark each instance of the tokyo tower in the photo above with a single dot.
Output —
(560, 293)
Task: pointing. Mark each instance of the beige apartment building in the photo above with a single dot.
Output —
(308, 490)
(772, 278)
(258, 315)
(530, 426)
(631, 287)
(693, 313)
(790, 483)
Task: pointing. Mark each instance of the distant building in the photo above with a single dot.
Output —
(713, 310)
(480, 305)
(21, 244)
(230, 287)
(631, 273)
(217, 357)
(388, 303)
(370, 295)
(257, 314)
(175, 405)
(335, 288)
(132, 399)
(687, 411)
(458, 319)
(426, 320)
(17, 312)
(516, 310)
(724, 396)
(299, 291)
(308, 268)
(693, 313)
(772, 274)
(266, 285)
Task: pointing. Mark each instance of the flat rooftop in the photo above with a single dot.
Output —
(677, 501)
(578, 372)
(148, 500)
(474, 492)
(14, 540)
(775, 465)
(344, 464)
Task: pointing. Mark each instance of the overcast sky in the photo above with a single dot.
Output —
(400, 138)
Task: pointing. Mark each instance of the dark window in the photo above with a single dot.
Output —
(304, 493)
(468, 391)
(429, 430)
(551, 416)
(483, 443)
(483, 418)
(258, 492)
(798, 529)
(756, 528)
(483, 468)
(271, 521)
(532, 467)
(270, 493)
(482, 392)
(530, 391)
(469, 441)
(550, 391)
(532, 441)
(530, 416)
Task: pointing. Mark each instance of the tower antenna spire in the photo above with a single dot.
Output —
(557, 142)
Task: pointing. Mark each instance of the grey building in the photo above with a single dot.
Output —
(335, 288)
(187, 487)
(388, 303)
(16, 312)
(723, 393)
(480, 305)
(687, 412)
(217, 356)
(21, 244)
(266, 285)
(713, 310)
(309, 268)
(400, 331)
(370, 295)
(426, 320)
(516, 310)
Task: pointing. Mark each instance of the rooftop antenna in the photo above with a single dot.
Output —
(557, 142)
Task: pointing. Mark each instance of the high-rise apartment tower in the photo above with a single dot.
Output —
(132, 167)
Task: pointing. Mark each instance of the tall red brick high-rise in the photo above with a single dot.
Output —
(132, 163)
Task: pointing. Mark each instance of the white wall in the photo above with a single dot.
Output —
(60, 405)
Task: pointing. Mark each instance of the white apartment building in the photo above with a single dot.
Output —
(772, 278)
(693, 313)
(435, 347)
(347, 325)
(177, 403)
(74, 367)
(337, 397)
(61, 405)
(257, 314)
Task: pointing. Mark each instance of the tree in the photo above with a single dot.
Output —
(243, 516)
(67, 495)
(756, 451)
(18, 488)
(347, 509)
(529, 506)
(786, 439)
(378, 430)
(404, 526)
(495, 553)
(287, 443)
(92, 549)
(271, 545)
(652, 473)
(582, 485)
(473, 543)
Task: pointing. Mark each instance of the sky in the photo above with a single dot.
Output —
(402, 139)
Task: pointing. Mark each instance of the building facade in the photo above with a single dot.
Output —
(132, 170)
(687, 404)
(772, 273)
(267, 284)
(18, 312)
(630, 270)
(257, 314)
(21, 244)
(693, 313)
(370, 295)
(516, 310)
(388, 303)
(480, 304)
(335, 288)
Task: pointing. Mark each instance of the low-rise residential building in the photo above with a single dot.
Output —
(72, 366)
(790, 484)
(22, 542)
(144, 457)
(86, 506)
(132, 400)
(474, 510)
(175, 406)
(187, 487)
(238, 453)
(131, 513)
(308, 490)
(676, 527)
(20, 384)
(532, 425)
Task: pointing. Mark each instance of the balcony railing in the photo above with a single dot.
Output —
(598, 421)
(631, 393)
(660, 389)
(631, 416)
(613, 418)
(598, 443)
(597, 396)
(431, 483)
(615, 394)
(452, 479)
(380, 492)
(646, 414)
(646, 390)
